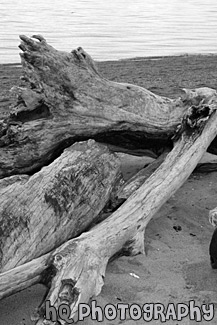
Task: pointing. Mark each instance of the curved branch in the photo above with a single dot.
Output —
(81, 262)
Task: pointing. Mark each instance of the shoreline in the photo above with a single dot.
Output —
(138, 58)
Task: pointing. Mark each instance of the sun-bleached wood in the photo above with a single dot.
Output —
(65, 100)
(35, 271)
(80, 263)
(40, 212)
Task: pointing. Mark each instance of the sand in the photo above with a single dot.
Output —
(176, 265)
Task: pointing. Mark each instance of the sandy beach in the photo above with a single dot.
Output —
(176, 265)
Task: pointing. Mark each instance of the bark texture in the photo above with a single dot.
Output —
(77, 268)
(81, 263)
(42, 211)
(65, 100)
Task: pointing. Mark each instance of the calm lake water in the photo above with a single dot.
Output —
(111, 29)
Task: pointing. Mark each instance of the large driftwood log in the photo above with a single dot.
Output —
(40, 269)
(42, 211)
(66, 100)
(77, 267)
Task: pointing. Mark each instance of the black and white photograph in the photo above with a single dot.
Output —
(108, 162)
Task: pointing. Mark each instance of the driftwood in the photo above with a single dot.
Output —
(77, 267)
(65, 100)
(80, 264)
(39, 270)
(41, 212)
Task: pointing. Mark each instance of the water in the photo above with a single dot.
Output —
(111, 29)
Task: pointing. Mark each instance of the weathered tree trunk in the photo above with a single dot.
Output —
(41, 212)
(38, 270)
(77, 267)
(66, 100)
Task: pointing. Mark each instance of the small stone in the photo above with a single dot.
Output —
(177, 228)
